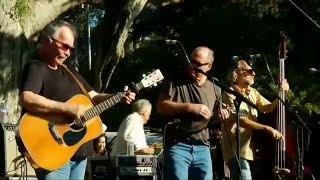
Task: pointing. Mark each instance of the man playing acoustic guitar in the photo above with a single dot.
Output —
(46, 85)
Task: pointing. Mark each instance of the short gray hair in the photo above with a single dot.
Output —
(141, 105)
(203, 50)
(51, 29)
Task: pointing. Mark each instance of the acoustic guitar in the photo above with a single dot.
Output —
(50, 143)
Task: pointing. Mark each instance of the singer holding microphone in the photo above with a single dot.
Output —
(189, 99)
(242, 77)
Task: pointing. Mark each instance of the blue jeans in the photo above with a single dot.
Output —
(244, 167)
(74, 170)
(184, 161)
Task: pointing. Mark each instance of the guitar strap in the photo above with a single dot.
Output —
(218, 94)
(84, 91)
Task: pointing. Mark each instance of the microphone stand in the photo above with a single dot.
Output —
(299, 125)
(237, 102)
(185, 54)
(239, 99)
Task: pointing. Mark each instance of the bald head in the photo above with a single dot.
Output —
(203, 53)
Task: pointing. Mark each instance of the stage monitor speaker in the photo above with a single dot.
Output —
(11, 161)
(100, 168)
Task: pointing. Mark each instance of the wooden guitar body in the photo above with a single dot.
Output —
(36, 132)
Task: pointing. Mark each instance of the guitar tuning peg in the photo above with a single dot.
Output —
(144, 75)
(155, 84)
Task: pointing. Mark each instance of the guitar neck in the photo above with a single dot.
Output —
(98, 109)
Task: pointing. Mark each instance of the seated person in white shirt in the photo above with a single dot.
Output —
(131, 128)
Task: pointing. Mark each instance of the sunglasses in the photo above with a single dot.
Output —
(198, 64)
(61, 45)
(249, 71)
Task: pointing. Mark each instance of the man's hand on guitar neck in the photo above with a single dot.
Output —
(100, 97)
(76, 111)
(130, 96)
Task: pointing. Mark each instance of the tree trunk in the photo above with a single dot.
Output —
(114, 33)
(20, 22)
(13, 54)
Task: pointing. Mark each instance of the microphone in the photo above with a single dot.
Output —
(235, 58)
(172, 42)
(252, 56)
(174, 121)
(314, 70)
(238, 95)
(252, 59)
(166, 41)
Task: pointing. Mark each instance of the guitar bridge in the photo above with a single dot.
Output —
(54, 133)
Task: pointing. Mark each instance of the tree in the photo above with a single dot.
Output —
(21, 20)
(244, 27)
(193, 22)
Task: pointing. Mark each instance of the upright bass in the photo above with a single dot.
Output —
(285, 148)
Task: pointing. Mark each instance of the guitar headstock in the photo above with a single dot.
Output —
(149, 80)
(282, 46)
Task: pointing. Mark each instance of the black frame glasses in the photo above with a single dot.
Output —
(62, 46)
(198, 64)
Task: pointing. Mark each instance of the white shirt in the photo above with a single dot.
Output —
(130, 128)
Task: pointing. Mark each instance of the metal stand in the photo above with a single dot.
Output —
(237, 105)
(300, 145)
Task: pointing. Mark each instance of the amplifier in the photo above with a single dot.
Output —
(138, 165)
(11, 162)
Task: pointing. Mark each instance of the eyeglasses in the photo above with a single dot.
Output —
(198, 64)
(61, 45)
(249, 71)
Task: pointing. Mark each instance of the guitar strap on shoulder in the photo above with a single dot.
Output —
(218, 93)
(84, 91)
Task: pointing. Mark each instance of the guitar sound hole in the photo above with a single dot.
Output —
(75, 127)
(71, 138)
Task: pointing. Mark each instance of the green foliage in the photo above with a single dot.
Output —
(242, 27)
(23, 9)
(234, 27)
(260, 8)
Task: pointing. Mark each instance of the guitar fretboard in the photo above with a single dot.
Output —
(98, 109)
